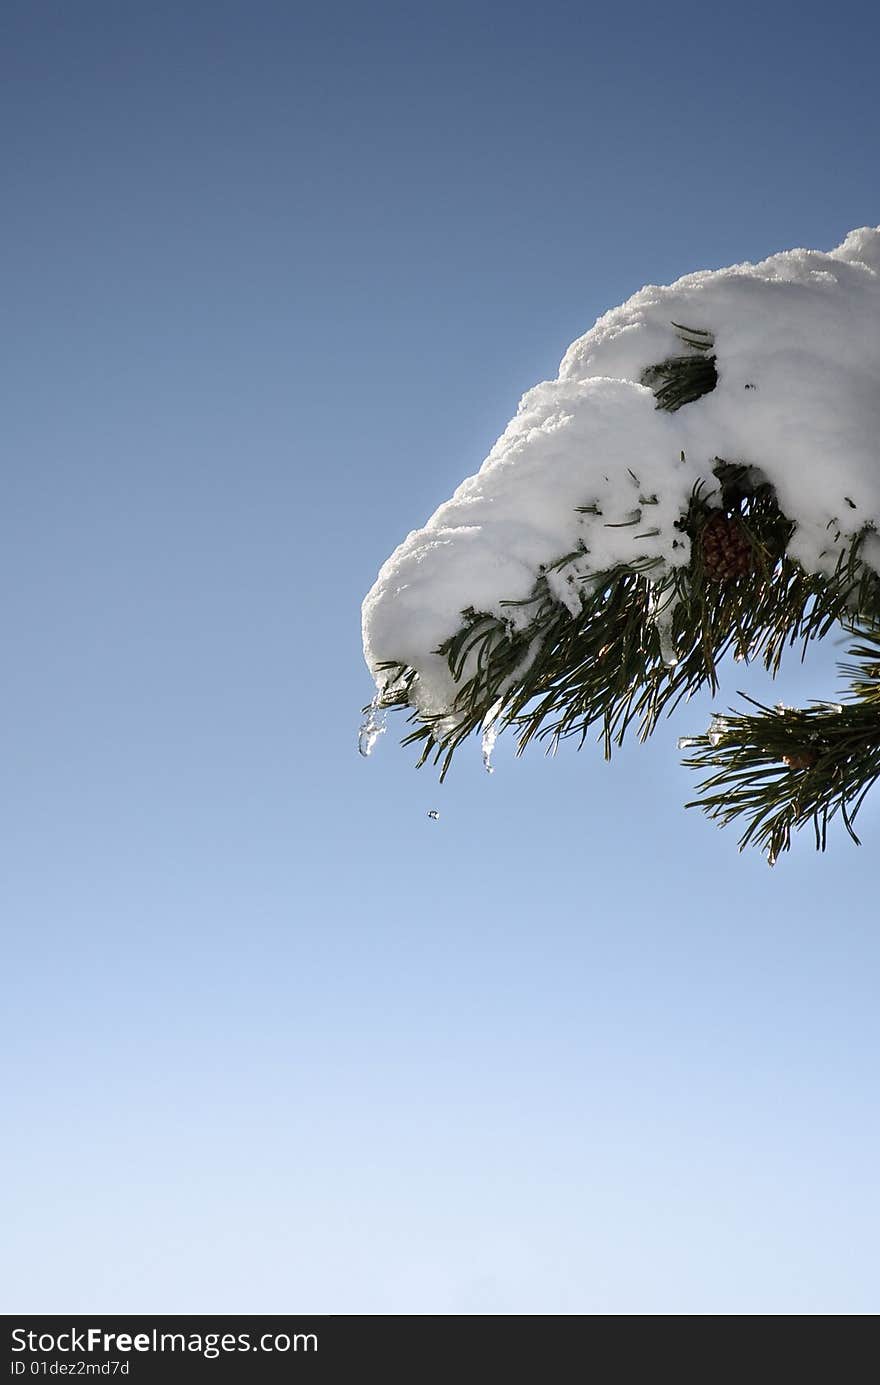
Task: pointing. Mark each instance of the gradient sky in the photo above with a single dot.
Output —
(274, 279)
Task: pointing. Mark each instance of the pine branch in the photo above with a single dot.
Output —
(645, 637)
(682, 379)
(558, 675)
(782, 768)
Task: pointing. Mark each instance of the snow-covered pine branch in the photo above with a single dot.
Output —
(703, 474)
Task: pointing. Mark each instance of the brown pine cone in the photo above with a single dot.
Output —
(727, 552)
(801, 759)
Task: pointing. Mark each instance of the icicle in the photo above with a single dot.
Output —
(490, 735)
(662, 613)
(372, 727)
(717, 730)
(668, 651)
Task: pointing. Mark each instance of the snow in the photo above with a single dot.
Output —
(797, 348)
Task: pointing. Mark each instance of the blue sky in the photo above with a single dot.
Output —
(275, 279)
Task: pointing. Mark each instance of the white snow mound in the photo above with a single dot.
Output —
(797, 348)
